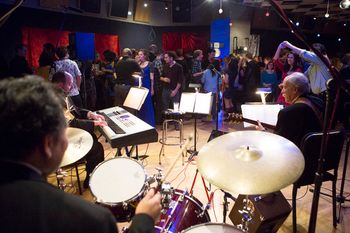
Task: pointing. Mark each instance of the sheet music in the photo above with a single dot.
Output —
(187, 102)
(196, 103)
(203, 104)
(136, 97)
(266, 113)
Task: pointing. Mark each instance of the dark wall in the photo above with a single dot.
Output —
(130, 35)
(270, 39)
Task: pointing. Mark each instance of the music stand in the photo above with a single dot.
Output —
(134, 100)
(196, 103)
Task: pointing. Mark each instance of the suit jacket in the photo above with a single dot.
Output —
(297, 120)
(29, 204)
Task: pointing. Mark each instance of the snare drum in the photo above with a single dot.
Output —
(184, 211)
(119, 184)
(212, 228)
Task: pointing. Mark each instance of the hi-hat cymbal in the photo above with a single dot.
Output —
(250, 162)
(79, 144)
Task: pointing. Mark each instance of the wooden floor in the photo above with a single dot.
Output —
(181, 177)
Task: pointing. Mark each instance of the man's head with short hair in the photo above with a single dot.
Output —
(320, 47)
(61, 52)
(32, 123)
(169, 56)
(198, 54)
(294, 85)
(127, 52)
(63, 79)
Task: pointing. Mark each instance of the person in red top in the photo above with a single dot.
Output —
(291, 65)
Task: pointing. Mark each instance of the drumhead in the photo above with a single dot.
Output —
(117, 180)
(212, 228)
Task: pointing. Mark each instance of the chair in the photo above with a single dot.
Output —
(310, 148)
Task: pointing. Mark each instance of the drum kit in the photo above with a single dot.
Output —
(244, 162)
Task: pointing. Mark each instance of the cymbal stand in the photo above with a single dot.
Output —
(226, 203)
(194, 152)
(247, 212)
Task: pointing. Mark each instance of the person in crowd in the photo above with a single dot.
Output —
(304, 113)
(292, 64)
(197, 71)
(153, 50)
(84, 119)
(209, 59)
(211, 81)
(18, 65)
(36, 120)
(229, 75)
(317, 72)
(171, 77)
(124, 69)
(147, 111)
(46, 60)
(180, 59)
(158, 87)
(109, 76)
(251, 79)
(70, 66)
(268, 79)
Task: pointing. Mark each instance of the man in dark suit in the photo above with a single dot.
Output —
(303, 115)
(33, 141)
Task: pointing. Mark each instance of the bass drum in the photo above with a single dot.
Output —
(212, 228)
(184, 211)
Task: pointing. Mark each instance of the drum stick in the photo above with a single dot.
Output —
(184, 148)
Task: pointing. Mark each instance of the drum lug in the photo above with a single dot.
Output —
(125, 205)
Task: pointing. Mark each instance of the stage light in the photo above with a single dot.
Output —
(230, 24)
(166, 6)
(297, 23)
(315, 18)
(145, 5)
(344, 4)
(339, 39)
(267, 14)
(344, 24)
(326, 15)
(318, 35)
(129, 13)
(220, 11)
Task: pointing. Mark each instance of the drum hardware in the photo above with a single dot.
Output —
(226, 203)
(60, 175)
(167, 192)
(246, 212)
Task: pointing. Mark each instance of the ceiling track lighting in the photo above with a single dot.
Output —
(221, 10)
(327, 14)
(344, 4)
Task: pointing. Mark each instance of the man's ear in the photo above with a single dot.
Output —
(47, 146)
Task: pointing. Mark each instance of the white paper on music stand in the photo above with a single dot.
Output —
(203, 104)
(187, 102)
(266, 113)
(136, 97)
(196, 103)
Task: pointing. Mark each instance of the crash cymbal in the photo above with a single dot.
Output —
(79, 144)
(250, 162)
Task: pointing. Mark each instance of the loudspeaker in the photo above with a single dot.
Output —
(92, 6)
(181, 10)
(119, 8)
(269, 212)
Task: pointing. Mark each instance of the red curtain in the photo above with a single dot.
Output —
(188, 41)
(34, 38)
(104, 42)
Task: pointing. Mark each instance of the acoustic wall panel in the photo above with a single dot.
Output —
(119, 8)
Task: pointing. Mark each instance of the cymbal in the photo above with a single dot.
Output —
(250, 162)
(79, 144)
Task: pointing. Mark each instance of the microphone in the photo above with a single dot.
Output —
(344, 4)
(69, 8)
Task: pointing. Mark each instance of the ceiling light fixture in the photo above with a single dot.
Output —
(318, 35)
(267, 14)
(221, 10)
(129, 13)
(344, 4)
(166, 6)
(327, 14)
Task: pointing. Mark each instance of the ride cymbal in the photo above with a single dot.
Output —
(250, 162)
